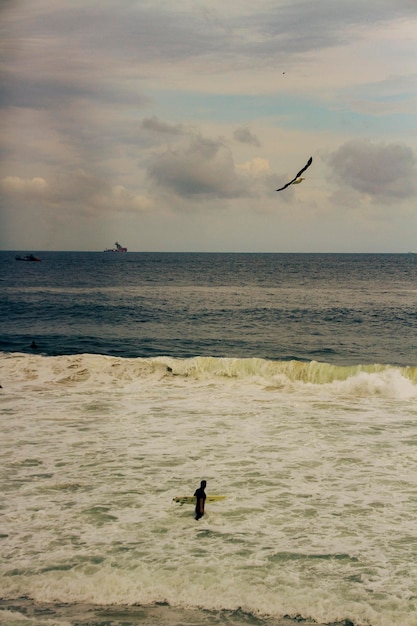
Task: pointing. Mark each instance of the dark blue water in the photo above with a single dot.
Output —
(339, 308)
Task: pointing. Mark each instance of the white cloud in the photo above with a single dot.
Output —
(16, 185)
(81, 191)
(255, 167)
(123, 199)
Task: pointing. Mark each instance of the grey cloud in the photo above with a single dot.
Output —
(37, 93)
(77, 35)
(135, 33)
(55, 91)
(304, 26)
(383, 171)
(244, 135)
(155, 125)
(200, 168)
(65, 55)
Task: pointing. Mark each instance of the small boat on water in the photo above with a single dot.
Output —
(28, 257)
(118, 248)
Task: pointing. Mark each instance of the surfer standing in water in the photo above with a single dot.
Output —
(200, 500)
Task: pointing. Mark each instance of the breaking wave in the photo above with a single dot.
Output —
(82, 369)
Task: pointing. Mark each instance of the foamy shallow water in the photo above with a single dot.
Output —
(317, 463)
(24, 611)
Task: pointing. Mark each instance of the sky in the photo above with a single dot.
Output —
(168, 126)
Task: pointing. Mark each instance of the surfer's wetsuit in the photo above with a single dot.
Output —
(201, 498)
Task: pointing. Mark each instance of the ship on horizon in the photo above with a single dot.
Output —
(118, 248)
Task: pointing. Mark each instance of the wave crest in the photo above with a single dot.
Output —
(87, 368)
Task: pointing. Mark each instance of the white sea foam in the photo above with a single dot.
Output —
(317, 463)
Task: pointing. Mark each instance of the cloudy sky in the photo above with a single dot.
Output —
(168, 126)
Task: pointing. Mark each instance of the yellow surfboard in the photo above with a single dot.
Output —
(192, 499)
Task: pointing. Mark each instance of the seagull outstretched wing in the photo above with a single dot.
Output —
(309, 162)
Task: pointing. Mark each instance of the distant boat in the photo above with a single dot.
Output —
(118, 248)
(28, 257)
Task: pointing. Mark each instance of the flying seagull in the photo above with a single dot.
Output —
(296, 180)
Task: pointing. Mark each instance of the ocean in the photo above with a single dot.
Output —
(287, 381)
